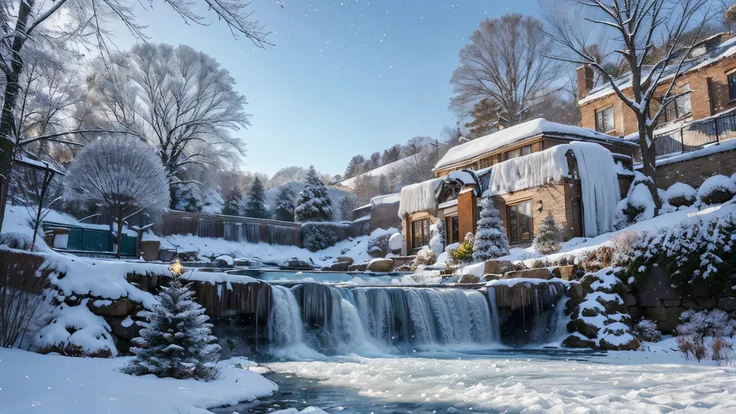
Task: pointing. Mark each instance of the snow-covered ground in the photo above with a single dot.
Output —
(34, 383)
(657, 380)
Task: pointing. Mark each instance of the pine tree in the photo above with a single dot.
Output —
(314, 202)
(548, 239)
(490, 239)
(354, 166)
(177, 342)
(256, 204)
(285, 204)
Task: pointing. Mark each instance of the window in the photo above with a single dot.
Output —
(419, 233)
(680, 107)
(519, 152)
(604, 119)
(452, 225)
(520, 222)
(487, 162)
(526, 150)
(732, 86)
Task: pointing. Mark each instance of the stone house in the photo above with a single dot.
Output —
(529, 170)
(707, 85)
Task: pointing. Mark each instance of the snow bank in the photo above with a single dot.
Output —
(33, 383)
(596, 168)
(77, 325)
(681, 190)
(419, 197)
(516, 133)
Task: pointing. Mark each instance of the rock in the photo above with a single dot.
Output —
(488, 277)
(496, 267)
(296, 264)
(338, 267)
(404, 268)
(124, 328)
(223, 261)
(588, 330)
(672, 302)
(635, 312)
(118, 307)
(669, 325)
(469, 278)
(630, 345)
(658, 285)
(568, 272)
(541, 273)
(707, 303)
(727, 304)
(574, 341)
(657, 313)
(575, 291)
(345, 259)
(689, 303)
(360, 267)
(590, 312)
(380, 266)
(630, 299)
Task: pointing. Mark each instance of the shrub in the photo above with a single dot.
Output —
(425, 257)
(598, 259)
(692, 345)
(680, 194)
(647, 331)
(464, 252)
(17, 241)
(378, 242)
(706, 323)
(547, 240)
(717, 190)
(721, 350)
(623, 244)
(319, 236)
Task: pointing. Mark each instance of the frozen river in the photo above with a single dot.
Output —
(512, 382)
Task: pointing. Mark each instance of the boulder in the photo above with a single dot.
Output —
(380, 266)
(497, 266)
(541, 273)
(360, 267)
(672, 302)
(630, 299)
(568, 272)
(631, 344)
(118, 307)
(575, 291)
(586, 329)
(669, 325)
(489, 276)
(345, 259)
(338, 267)
(296, 264)
(657, 313)
(124, 328)
(404, 268)
(574, 341)
(707, 303)
(223, 261)
(469, 278)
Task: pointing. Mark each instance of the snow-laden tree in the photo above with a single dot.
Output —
(347, 205)
(547, 240)
(505, 65)
(177, 342)
(255, 202)
(490, 238)
(121, 174)
(285, 204)
(180, 99)
(631, 28)
(31, 27)
(287, 175)
(438, 240)
(313, 203)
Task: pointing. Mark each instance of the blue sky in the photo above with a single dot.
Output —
(344, 77)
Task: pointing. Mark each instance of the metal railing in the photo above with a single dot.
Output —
(695, 135)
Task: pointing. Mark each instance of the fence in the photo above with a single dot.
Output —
(232, 228)
(695, 135)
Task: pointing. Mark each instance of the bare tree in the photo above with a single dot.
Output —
(634, 24)
(28, 26)
(181, 100)
(287, 175)
(505, 65)
(121, 174)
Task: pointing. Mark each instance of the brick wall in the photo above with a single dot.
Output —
(694, 172)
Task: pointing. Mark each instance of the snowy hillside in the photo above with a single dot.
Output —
(386, 170)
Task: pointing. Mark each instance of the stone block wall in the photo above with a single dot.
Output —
(694, 171)
(662, 304)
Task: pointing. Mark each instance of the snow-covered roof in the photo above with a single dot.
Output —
(722, 51)
(387, 169)
(419, 197)
(516, 133)
(386, 199)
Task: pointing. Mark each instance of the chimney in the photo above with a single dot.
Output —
(585, 80)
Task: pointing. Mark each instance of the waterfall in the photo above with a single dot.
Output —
(495, 319)
(285, 327)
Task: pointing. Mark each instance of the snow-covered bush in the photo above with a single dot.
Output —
(490, 239)
(425, 257)
(17, 241)
(177, 342)
(464, 252)
(547, 240)
(623, 244)
(76, 331)
(680, 194)
(437, 242)
(378, 242)
(697, 253)
(319, 236)
(647, 331)
(717, 190)
(396, 243)
(715, 322)
(637, 206)
(122, 174)
(313, 203)
(597, 259)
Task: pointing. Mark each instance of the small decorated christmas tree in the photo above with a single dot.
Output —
(547, 239)
(177, 342)
(490, 238)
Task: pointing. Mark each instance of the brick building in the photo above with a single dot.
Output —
(708, 85)
(529, 170)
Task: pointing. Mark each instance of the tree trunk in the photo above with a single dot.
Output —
(7, 119)
(119, 236)
(649, 161)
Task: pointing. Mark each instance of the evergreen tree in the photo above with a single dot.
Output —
(354, 166)
(548, 239)
(314, 202)
(490, 239)
(177, 342)
(256, 204)
(347, 205)
(285, 204)
(383, 185)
